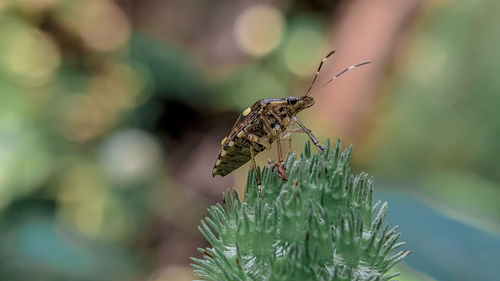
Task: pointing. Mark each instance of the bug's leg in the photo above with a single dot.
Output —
(254, 167)
(276, 131)
(269, 163)
(288, 137)
(281, 165)
(310, 134)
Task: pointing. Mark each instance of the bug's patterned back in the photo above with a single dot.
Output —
(256, 128)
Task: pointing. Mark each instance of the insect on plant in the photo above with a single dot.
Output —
(267, 121)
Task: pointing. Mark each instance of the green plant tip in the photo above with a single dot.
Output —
(320, 225)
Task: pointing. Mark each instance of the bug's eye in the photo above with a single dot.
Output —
(292, 101)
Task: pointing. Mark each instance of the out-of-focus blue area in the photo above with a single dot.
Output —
(31, 239)
(443, 248)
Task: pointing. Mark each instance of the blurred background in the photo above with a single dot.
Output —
(112, 113)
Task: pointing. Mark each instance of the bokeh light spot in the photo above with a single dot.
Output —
(116, 88)
(25, 161)
(259, 29)
(30, 55)
(101, 24)
(258, 84)
(106, 26)
(296, 59)
(90, 206)
(130, 156)
(429, 64)
(83, 118)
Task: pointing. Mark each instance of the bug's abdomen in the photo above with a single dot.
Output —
(234, 153)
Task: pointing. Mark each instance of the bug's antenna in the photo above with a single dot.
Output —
(336, 76)
(319, 68)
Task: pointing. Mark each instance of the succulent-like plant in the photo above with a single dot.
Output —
(320, 225)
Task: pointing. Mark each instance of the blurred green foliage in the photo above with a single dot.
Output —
(441, 122)
(65, 192)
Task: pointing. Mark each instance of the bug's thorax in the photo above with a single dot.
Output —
(278, 113)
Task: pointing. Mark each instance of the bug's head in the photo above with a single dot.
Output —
(296, 104)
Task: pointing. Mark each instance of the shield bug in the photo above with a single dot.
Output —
(267, 121)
